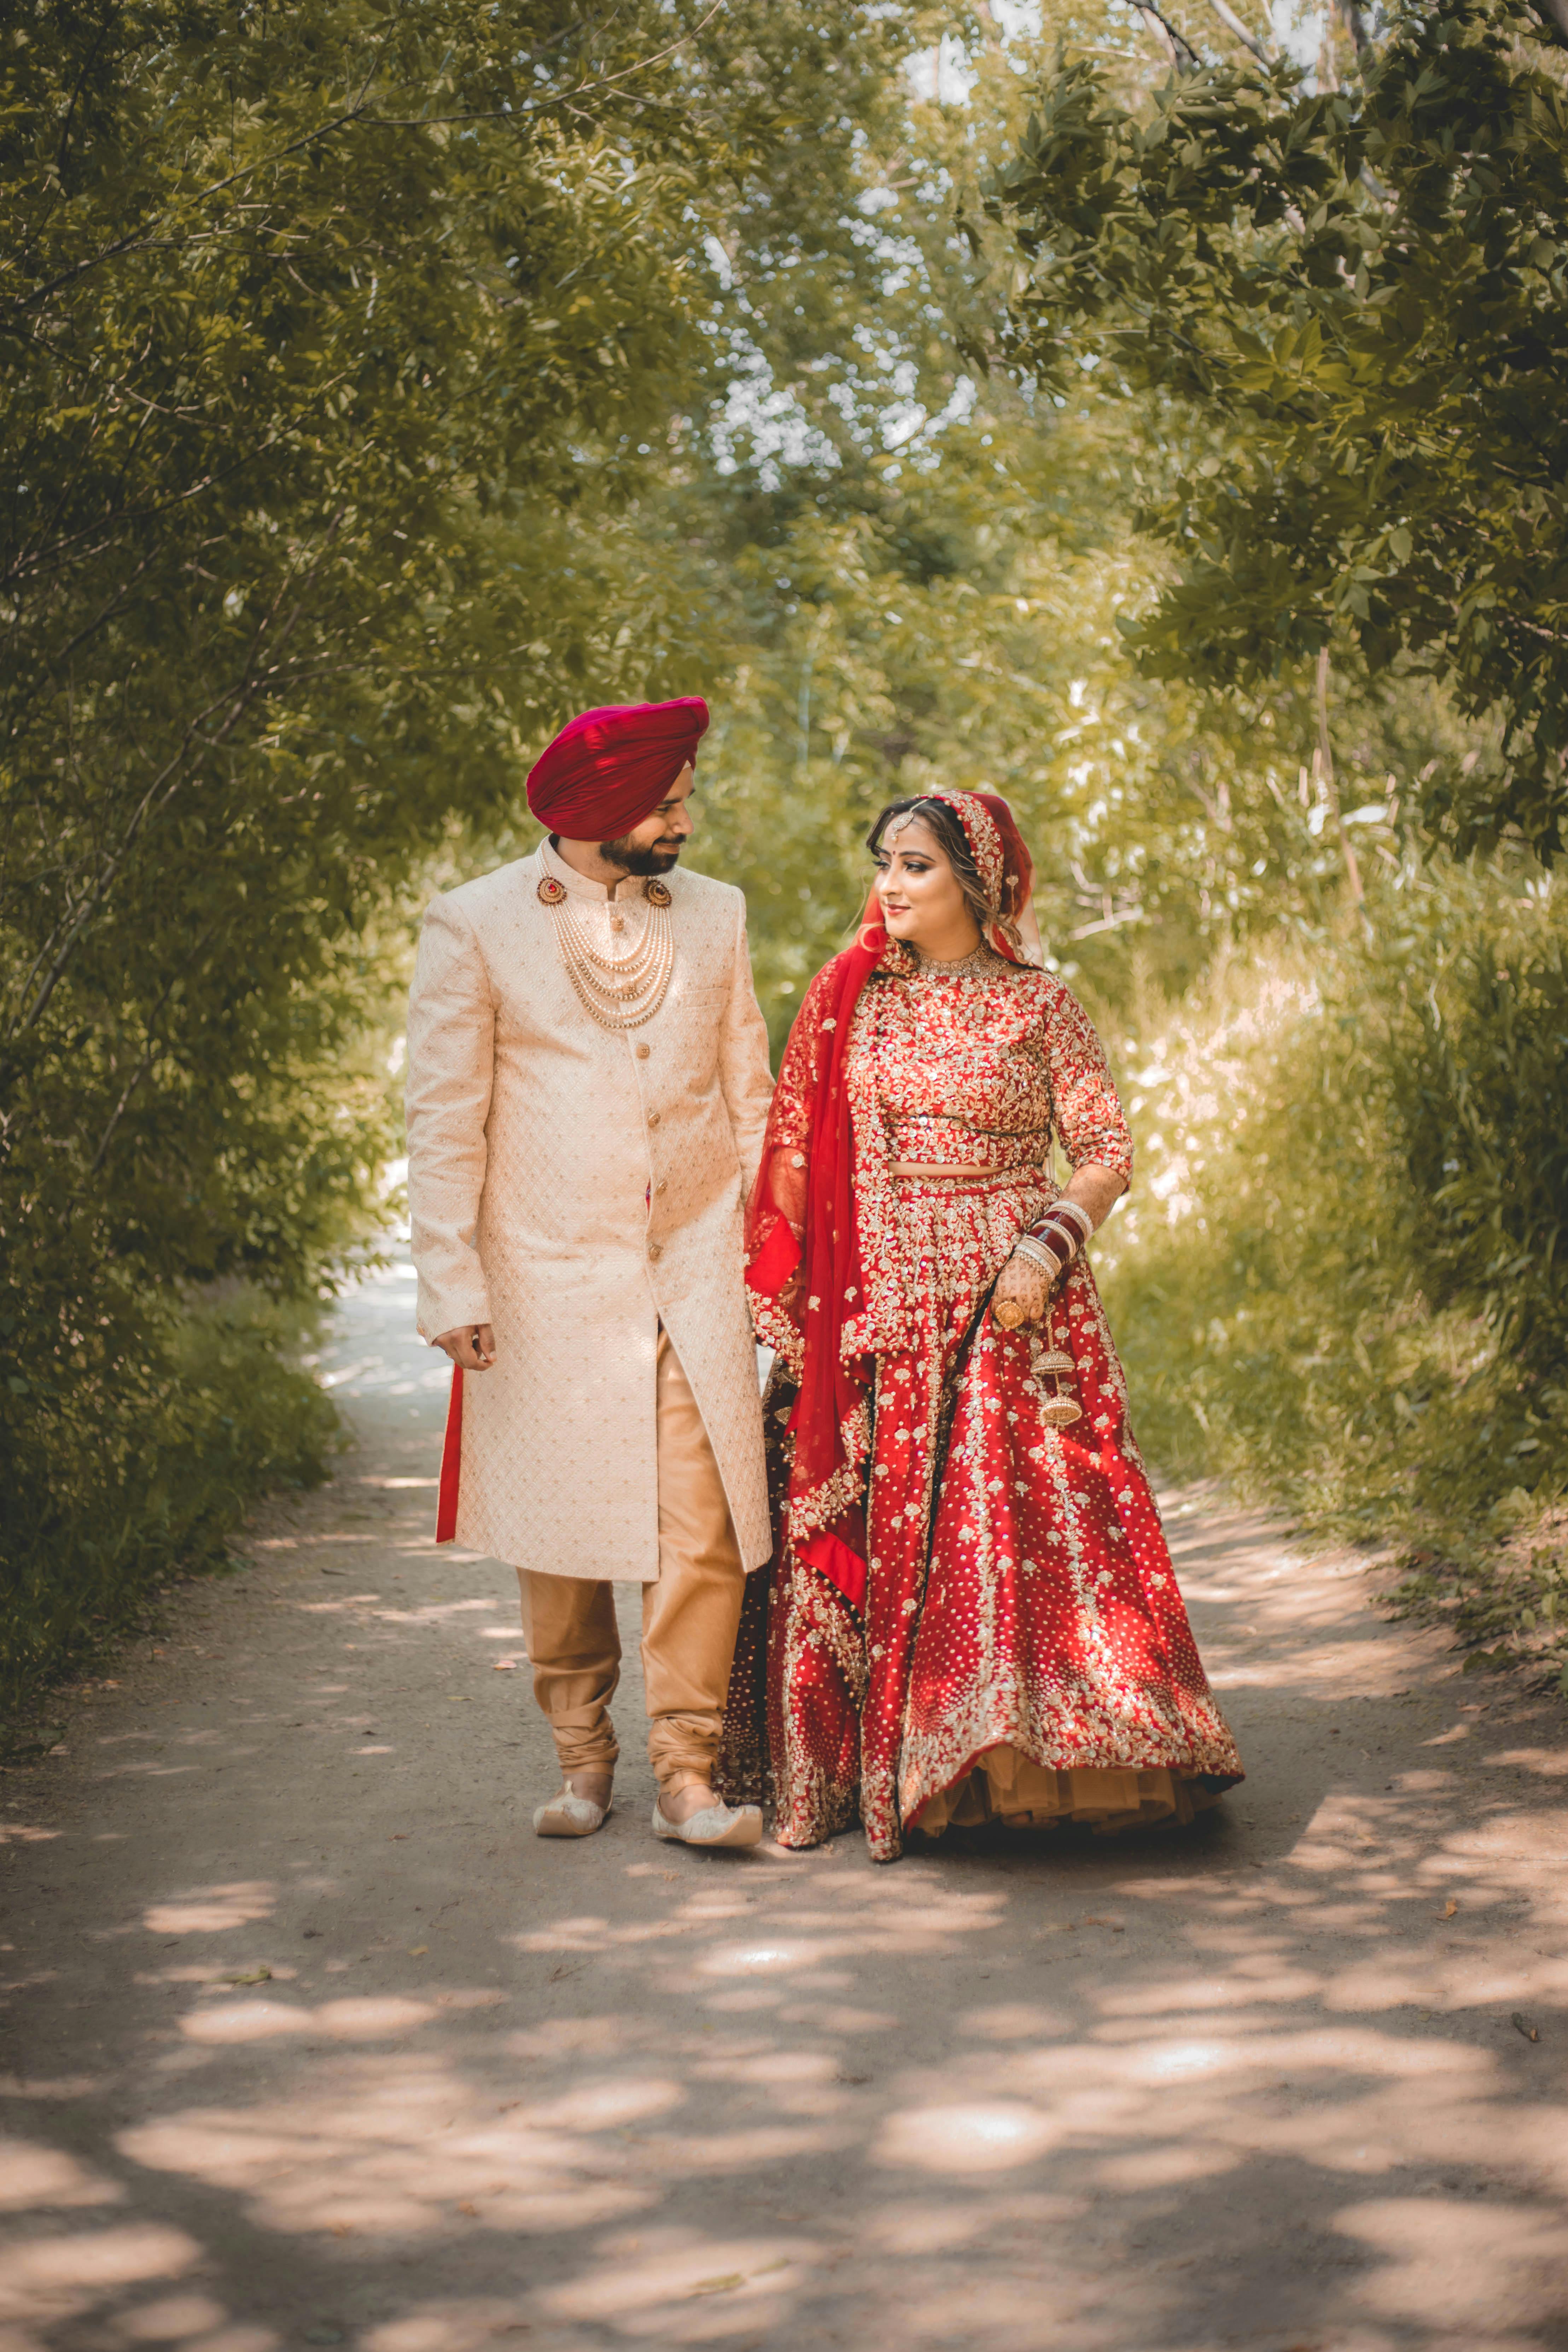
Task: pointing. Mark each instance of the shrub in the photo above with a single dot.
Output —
(141, 1464)
(1342, 1283)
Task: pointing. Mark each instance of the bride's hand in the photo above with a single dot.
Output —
(1022, 1290)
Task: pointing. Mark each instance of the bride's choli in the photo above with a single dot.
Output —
(981, 1072)
(960, 1072)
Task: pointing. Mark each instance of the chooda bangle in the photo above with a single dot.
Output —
(1081, 1216)
(1039, 1253)
(1063, 1240)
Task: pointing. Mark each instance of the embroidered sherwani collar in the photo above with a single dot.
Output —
(578, 885)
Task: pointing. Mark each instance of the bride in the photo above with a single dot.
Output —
(971, 1613)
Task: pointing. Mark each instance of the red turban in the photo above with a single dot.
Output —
(609, 769)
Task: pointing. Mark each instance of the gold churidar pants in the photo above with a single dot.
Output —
(690, 1617)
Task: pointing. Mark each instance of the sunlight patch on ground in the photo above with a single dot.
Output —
(32, 2177)
(639, 2288)
(988, 2137)
(213, 1910)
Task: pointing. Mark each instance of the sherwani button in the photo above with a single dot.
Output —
(653, 1119)
(643, 1051)
(655, 1250)
(662, 1185)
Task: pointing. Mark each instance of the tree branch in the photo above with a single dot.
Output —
(139, 240)
(239, 698)
(1233, 24)
(1170, 39)
(145, 1061)
(562, 97)
(1354, 23)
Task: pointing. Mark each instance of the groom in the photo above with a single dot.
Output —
(588, 1084)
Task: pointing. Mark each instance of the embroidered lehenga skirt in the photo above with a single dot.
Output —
(1024, 1651)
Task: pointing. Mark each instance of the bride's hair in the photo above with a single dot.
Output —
(942, 820)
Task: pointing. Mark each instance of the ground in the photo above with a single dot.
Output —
(311, 2041)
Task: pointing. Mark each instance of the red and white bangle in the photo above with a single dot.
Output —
(1039, 1251)
(1058, 1237)
(1054, 1247)
(1079, 1216)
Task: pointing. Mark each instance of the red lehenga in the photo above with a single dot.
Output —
(1013, 1643)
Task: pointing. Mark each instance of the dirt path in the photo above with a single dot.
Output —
(310, 2042)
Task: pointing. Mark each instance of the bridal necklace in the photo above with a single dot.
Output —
(981, 963)
(619, 989)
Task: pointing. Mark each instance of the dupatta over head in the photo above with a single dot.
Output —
(803, 1259)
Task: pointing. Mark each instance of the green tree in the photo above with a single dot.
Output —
(924, 571)
(335, 342)
(1361, 293)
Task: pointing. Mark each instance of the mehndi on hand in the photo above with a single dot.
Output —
(1023, 1289)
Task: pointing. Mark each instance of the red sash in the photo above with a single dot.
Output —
(452, 1463)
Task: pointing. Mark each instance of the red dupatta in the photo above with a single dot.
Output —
(803, 1255)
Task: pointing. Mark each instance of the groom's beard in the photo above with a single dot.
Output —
(643, 863)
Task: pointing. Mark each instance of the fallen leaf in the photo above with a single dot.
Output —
(419, 1952)
(257, 1976)
(1447, 1911)
(471, 2211)
(725, 2286)
(342, 2229)
(1523, 2025)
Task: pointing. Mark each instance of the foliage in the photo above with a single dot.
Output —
(1166, 821)
(1340, 1286)
(1363, 294)
(335, 341)
(932, 581)
(143, 1464)
(375, 386)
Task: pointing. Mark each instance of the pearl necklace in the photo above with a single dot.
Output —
(618, 991)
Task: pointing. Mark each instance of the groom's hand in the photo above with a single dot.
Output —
(473, 1346)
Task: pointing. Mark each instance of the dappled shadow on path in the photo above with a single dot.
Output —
(1003, 2096)
(1257, 2085)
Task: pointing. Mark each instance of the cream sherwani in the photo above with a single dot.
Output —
(578, 1187)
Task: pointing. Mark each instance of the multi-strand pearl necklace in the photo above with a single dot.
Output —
(618, 989)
